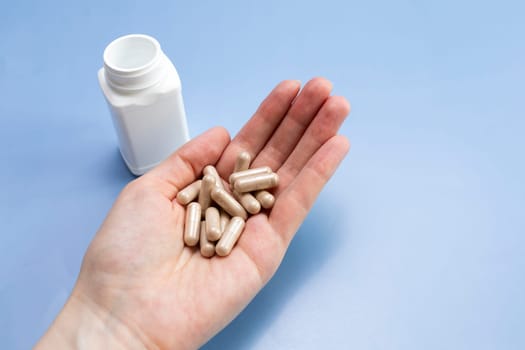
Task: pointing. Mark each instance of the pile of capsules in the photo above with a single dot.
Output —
(215, 217)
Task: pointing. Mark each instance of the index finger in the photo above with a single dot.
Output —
(258, 130)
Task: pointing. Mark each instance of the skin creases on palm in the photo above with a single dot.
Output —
(137, 267)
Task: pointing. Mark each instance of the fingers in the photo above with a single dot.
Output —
(183, 166)
(297, 120)
(296, 200)
(325, 125)
(254, 135)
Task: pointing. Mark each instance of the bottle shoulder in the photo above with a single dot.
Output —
(170, 84)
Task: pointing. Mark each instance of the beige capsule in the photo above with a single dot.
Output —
(256, 182)
(207, 247)
(210, 170)
(265, 198)
(242, 162)
(189, 193)
(249, 172)
(230, 236)
(248, 201)
(228, 203)
(224, 219)
(208, 183)
(192, 224)
(213, 224)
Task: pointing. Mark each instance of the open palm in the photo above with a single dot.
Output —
(137, 268)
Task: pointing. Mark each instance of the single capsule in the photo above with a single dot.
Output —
(242, 162)
(265, 198)
(213, 224)
(192, 224)
(249, 172)
(208, 183)
(189, 193)
(228, 203)
(248, 201)
(224, 219)
(207, 247)
(230, 236)
(256, 182)
(210, 170)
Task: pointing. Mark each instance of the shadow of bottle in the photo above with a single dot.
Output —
(115, 169)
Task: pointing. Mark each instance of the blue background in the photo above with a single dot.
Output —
(418, 242)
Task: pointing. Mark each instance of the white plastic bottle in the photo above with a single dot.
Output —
(143, 92)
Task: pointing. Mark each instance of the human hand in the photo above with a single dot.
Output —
(140, 287)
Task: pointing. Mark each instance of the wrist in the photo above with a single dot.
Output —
(82, 324)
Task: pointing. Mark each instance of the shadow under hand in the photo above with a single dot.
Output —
(312, 246)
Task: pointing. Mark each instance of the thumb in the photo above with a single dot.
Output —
(185, 164)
